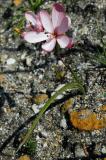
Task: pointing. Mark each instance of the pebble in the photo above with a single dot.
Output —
(84, 30)
(37, 138)
(104, 38)
(28, 61)
(36, 108)
(11, 61)
(60, 63)
(45, 145)
(44, 134)
(23, 56)
(63, 123)
(1, 128)
(3, 58)
(79, 152)
(40, 76)
(59, 97)
(103, 149)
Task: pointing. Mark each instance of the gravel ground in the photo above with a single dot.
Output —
(25, 71)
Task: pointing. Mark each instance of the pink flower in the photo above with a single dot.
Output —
(55, 26)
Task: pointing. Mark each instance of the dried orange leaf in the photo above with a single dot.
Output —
(87, 120)
(24, 157)
(17, 2)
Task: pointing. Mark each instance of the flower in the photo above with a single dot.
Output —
(55, 26)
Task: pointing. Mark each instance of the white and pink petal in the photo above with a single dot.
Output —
(69, 21)
(30, 17)
(63, 26)
(34, 37)
(58, 7)
(63, 41)
(49, 46)
(46, 21)
(39, 25)
(57, 14)
(71, 43)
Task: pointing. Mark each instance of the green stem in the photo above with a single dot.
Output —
(31, 3)
(48, 103)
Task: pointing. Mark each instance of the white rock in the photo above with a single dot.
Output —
(60, 63)
(63, 123)
(44, 134)
(3, 57)
(11, 61)
(1, 128)
(104, 149)
(35, 108)
(59, 97)
(79, 152)
(23, 56)
(45, 145)
(28, 61)
(37, 137)
(40, 76)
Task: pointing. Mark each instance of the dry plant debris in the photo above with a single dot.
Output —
(17, 2)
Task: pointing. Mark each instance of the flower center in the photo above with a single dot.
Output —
(54, 35)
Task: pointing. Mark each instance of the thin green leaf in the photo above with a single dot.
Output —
(48, 103)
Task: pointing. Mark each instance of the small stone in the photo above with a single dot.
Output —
(84, 30)
(59, 97)
(23, 56)
(7, 110)
(35, 108)
(79, 152)
(41, 98)
(45, 145)
(28, 61)
(104, 149)
(60, 63)
(104, 39)
(40, 76)
(63, 123)
(3, 58)
(1, 128)
(44, 134)
(11, 61)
